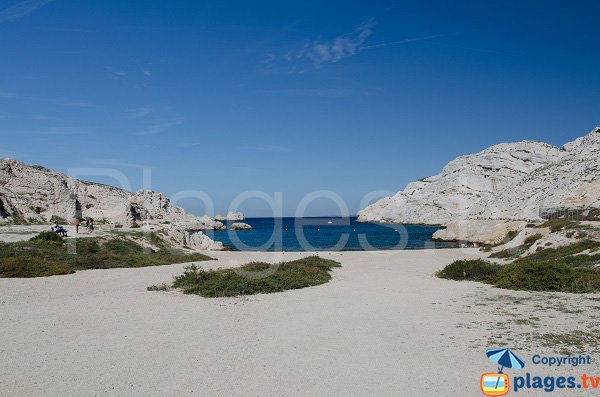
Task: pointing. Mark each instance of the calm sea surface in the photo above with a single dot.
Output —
(331, 234)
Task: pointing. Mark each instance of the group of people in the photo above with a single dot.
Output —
(61, 231)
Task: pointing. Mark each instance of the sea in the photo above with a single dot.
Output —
(327, 234)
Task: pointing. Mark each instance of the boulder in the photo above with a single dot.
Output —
(240, 226)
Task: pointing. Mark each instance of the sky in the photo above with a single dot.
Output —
(288, 98)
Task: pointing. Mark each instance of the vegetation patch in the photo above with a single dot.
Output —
(556, 225)
(515, 252)
(570, 342)
(564, 269)
(474, 270)
(47, 254)
(509, 253)
(529, 241)
(255, 278)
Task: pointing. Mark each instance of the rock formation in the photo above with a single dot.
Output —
(231, 216)
(30, 193)
(483, 195)
(240, 226)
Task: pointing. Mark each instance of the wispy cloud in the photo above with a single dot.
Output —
(22, 9)
(115, 74)
(404, 41)
(147, 72)
(314, 54)
(319, 52)
(160, 127)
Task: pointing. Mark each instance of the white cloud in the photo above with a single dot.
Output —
(147, 72)
(333, 51)
(22, 9)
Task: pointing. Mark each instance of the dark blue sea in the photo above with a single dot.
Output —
(329, 234)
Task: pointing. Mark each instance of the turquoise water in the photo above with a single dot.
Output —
(331, 234)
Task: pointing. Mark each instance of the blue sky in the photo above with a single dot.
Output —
(276, 96)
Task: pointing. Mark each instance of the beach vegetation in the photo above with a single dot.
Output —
(255, 278)
(571, 268)
(559, 224)
(46, 255)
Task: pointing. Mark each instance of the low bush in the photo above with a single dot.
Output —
(564, 269)
(530, 240)
(48, 236)
(556, 225)
(540, 276)
(474, 270)
(44, 255)
(256, 278)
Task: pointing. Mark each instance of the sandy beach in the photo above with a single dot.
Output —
(383, 326)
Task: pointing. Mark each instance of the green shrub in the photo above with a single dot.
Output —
(509, 253)
(44, 256)
(556, 225)
(474, 270)
(563, 269)
(48, 236)
(529, 241)
(539, 276)
(256, 278)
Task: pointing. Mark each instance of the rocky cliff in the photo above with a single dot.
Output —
(487, 191)
(231, 216)
(31, 193)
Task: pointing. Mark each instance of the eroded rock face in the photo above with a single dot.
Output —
(240, 226)
(195, 240)
(34, 193)
(515, 182)
(231, 216)
(464, 182)
(573, 182)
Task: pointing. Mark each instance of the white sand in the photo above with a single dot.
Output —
(384, 326)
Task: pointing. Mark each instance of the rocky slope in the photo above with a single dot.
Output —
(36, 194)
(231, 216)
(483, 195)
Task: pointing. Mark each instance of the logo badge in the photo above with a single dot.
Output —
(493, 384)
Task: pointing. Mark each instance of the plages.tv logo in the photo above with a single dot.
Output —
(498, 384)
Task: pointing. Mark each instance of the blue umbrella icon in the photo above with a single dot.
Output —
(504, 358)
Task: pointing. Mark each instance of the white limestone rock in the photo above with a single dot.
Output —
(240, 226)
(480, 196)
(231, 216)
(465, 181)
(573, 182)
(478, 231)
(36, 194)
(195, 240)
